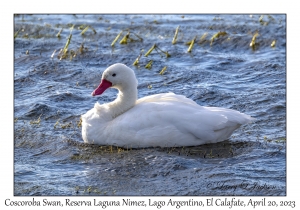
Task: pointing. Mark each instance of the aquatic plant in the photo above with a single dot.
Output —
(191, 43)
(253, 41)
(273, 43)
(175, 35)
(38, 121)
(116, 39)
(84, 30)
(150, 50)
(149, 64)
(58, 34)
(217, 35)
(157, 50)
(136, 62)
(163, 70)
(127, 37)
(56, 124)
(16, 34)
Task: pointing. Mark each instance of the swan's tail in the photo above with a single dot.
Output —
(247, 119)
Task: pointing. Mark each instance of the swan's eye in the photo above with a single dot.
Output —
(113, 74)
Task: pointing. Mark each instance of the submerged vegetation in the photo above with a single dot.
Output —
(163, 70)
(217, 35)
(253, 41)
(127, 37)
(191, 43)
(131, 37)
(175, 36)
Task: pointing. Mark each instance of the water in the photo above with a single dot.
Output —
(50, 95)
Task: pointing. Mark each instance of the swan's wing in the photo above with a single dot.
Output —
(231, 115)
(171, 123)
(152, 124)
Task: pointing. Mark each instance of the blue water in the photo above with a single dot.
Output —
(50, 95)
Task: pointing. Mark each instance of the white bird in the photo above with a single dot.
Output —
(161, 120)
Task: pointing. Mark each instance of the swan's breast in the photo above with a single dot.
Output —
(94, 124)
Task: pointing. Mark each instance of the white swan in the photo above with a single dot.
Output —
(163, 120)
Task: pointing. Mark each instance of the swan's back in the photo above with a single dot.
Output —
(164, 97)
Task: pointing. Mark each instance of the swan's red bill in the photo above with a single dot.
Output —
(102, 87)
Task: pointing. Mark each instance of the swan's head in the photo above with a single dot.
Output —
(117, 76)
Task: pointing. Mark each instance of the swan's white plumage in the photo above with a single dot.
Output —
(165, 120)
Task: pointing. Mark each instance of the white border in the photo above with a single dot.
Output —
(153, 6)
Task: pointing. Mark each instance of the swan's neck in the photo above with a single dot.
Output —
(126, 100)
